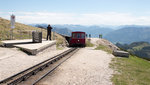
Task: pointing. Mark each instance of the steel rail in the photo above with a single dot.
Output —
(33, 72)
(50, 71)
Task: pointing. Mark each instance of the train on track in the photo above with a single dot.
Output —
(77, 39)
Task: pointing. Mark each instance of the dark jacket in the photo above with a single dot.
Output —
(49, 28)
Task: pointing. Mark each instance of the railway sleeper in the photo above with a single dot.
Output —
(27, 76)
(15, 82)
(47, 65)
(42, 67)
(56, 59)
(59, 58)
(62, 56)
(35, 71)
(51, 62)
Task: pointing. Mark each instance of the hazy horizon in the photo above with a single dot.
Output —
(78, 12)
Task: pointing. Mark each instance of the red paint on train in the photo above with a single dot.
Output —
(77, 39)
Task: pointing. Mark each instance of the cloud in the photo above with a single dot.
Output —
(107, 18)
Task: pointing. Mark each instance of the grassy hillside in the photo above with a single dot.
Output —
(131, 71)
(140, 49)
(23, 31)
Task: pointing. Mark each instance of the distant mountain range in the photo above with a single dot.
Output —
(122, 34)
(93, 30)
(67, 29)
(129, 34)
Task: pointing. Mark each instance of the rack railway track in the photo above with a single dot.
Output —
(34, 74)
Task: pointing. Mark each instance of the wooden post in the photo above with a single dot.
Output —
(12, 23)
(11, 34)
(53, 35)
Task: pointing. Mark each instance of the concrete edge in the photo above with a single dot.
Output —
(36, 51)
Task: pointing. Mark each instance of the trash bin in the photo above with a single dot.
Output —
(36, 37)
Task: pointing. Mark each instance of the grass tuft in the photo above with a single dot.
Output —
(104, 48)
(60, 42)
(89, 44)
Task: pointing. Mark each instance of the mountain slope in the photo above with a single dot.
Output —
(129, 34)
(58, 29)
(21, 30)
(141, 49)
(93, 30)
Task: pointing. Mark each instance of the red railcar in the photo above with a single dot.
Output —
(77, 39)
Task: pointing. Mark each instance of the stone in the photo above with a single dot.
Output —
(37, 37)
(120, 53)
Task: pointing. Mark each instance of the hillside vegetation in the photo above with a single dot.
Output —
(131, 71)
(140, 49)
(104, 48)
(128, 71)
(23, 31)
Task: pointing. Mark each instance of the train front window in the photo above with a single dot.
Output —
(78, 35)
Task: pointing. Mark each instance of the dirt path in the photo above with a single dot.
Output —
(95, 41)
(86, 67)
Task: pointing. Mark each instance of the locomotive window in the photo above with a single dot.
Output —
(74, 35)
(83, 36)
(78, 35)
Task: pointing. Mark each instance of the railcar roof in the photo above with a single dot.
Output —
(78, 32)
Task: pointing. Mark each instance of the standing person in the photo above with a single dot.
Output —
(89, 35)
(100, 36)
(49, 28)
(86, 35)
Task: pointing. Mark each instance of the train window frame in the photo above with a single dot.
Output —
(82, 35)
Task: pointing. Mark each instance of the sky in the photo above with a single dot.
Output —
(81, 12)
